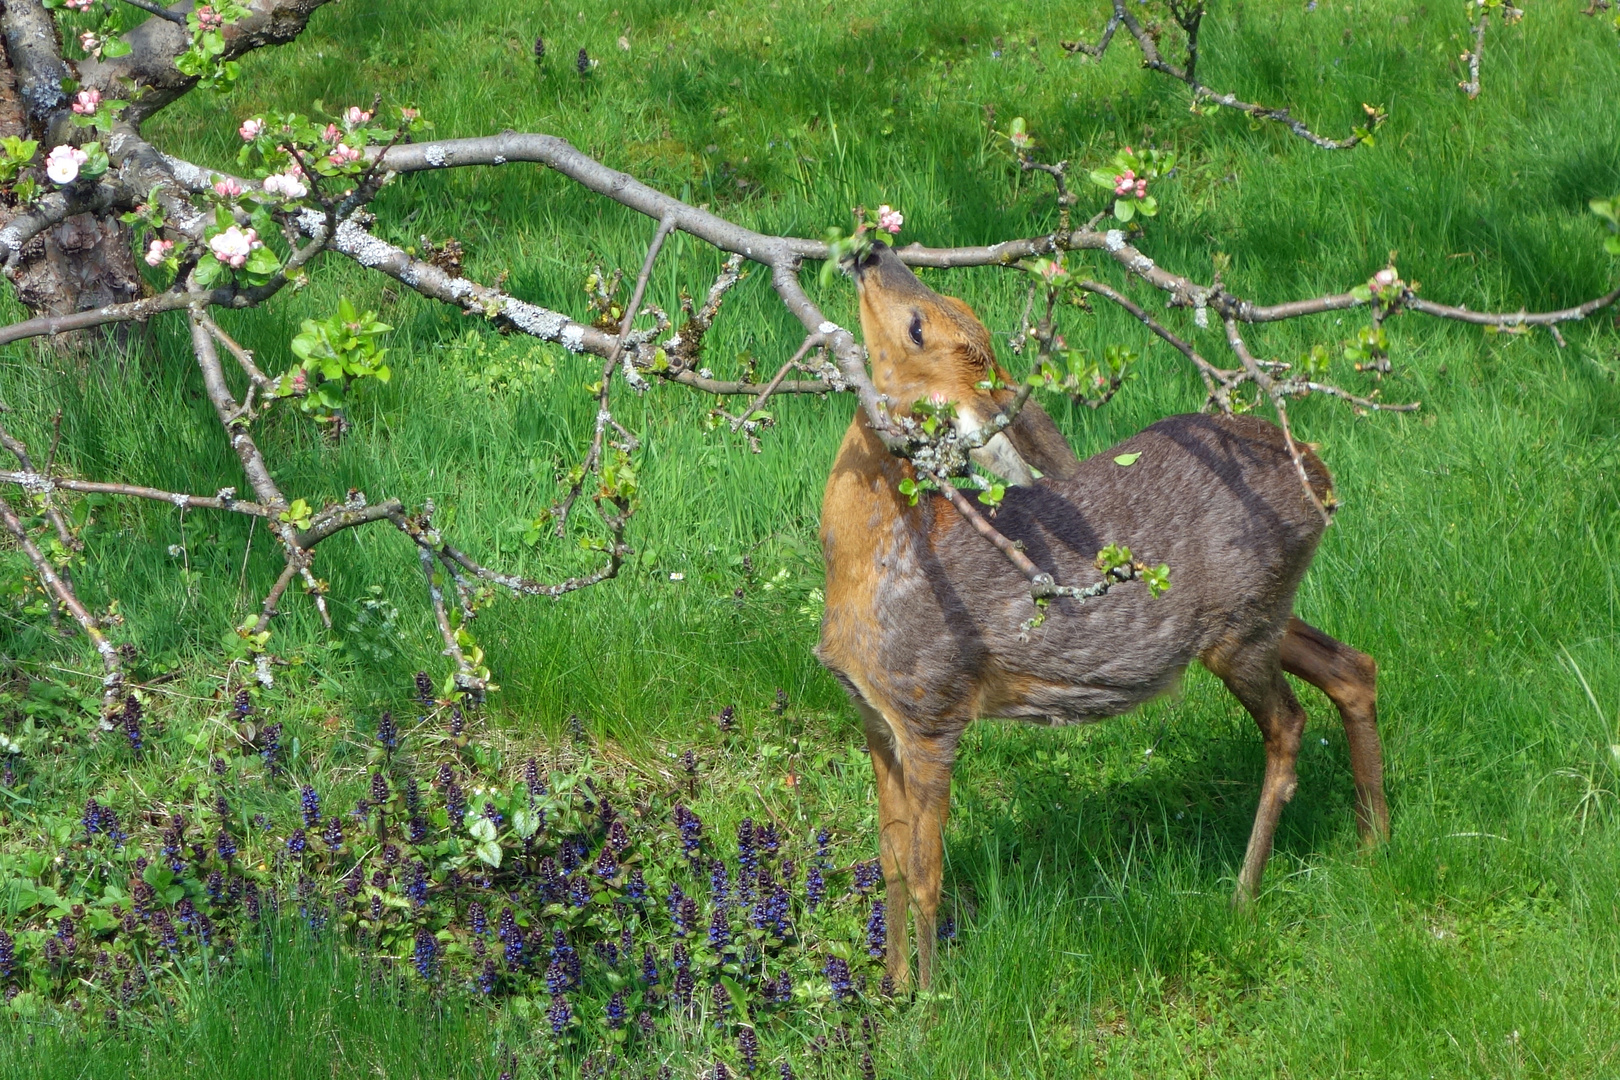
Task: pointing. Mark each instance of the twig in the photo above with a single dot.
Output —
(1189, 19)
(224, 500)
(1268, 386)
(593, 456)
(39, 486)
(1471, 85)
(62, 593)
(810, 342)
(158, 10)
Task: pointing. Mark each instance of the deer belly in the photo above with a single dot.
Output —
(1046, 699)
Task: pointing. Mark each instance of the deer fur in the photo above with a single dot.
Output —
(923, 615)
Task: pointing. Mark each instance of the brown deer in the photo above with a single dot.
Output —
(924, 617)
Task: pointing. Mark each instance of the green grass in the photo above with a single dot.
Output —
(1476, 555)
(293, 1009)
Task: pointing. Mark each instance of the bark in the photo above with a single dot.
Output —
(85, 261)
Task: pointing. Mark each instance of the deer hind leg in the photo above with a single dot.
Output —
(1256, 679)
(894, 838)
(1350, 680)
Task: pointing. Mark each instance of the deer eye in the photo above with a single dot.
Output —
(916, 330)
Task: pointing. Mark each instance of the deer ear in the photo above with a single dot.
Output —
(975, 339)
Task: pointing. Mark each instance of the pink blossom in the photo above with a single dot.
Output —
(1386, 277)
(285, 184)
(158, 252)
(62, 164)
(300, 381)
(209, 19)
(331, 134)
(233, 246)
(227, 188)
(1051, 271)
(356, 116)
(408, 115)
(1141, 189)
(78, 5)
(89, 42)
(250, 129)
(1124, 182)
(87, 102)
(890, 219)
(937, 399)
(343, 154)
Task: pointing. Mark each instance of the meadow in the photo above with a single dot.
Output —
(1476, 554)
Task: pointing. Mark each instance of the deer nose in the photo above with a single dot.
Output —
(871, 260)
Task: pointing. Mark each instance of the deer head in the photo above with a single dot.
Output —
(926, 346)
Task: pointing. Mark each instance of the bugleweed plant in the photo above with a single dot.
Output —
(592, 900)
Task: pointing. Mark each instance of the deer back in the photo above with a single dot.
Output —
(925, 619)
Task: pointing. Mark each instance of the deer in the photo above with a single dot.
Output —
(926, 623)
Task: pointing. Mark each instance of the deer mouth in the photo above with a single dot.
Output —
(879, 266)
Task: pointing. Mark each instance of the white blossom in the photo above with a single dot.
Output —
(62, 164)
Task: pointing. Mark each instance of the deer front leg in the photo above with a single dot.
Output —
(894, 839)
(1282, 722)
(928, 789)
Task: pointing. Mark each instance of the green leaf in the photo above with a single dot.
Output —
(1127, 460)
(525, 822)
(262, 261)
(489, 852)
(208, 271)
(1612, 245)
(1124, 209)
(484, 829)
(113, 48)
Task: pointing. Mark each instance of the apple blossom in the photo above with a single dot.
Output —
(227, 188)
(62, 164)
(1386, 277)
(89, 42)
(250, 129)
(331, 134)
(1141, 189)
(408, 115)
(1125, 182)
(209, 19)
(356, 116)
(78, 5)
(233, 246)
(343, 154)
(87, 102)
(285, 184)
(158, 251)
(890, 219)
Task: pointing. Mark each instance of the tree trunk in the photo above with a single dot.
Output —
(86, 261)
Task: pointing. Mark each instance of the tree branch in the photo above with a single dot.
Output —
(1151, 59)
(157, 43)
(34, 47)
